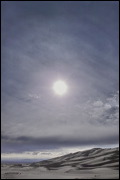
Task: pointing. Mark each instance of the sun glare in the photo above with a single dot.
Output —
(60, 87)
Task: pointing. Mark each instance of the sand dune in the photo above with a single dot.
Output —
(95, 163)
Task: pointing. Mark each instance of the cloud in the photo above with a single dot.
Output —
(41, 154)
(98, 103)
(43, 42)
(105, 112)
(34, 96)
(30, 143)
(93, 125)
(88, 124)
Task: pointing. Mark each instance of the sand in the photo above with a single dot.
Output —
(9, 172)
(103, 164)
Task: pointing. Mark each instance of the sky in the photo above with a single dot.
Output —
(42, 42)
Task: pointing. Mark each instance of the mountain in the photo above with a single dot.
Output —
(96, 163)
(88, 159)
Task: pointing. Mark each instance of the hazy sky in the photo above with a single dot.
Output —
(76, 42)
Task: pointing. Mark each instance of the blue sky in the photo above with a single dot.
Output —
(46, 41)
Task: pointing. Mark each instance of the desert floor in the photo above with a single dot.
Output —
(67, 172)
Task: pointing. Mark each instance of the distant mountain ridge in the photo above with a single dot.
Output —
(88, 159)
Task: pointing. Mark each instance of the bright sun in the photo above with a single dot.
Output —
(60, 87)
